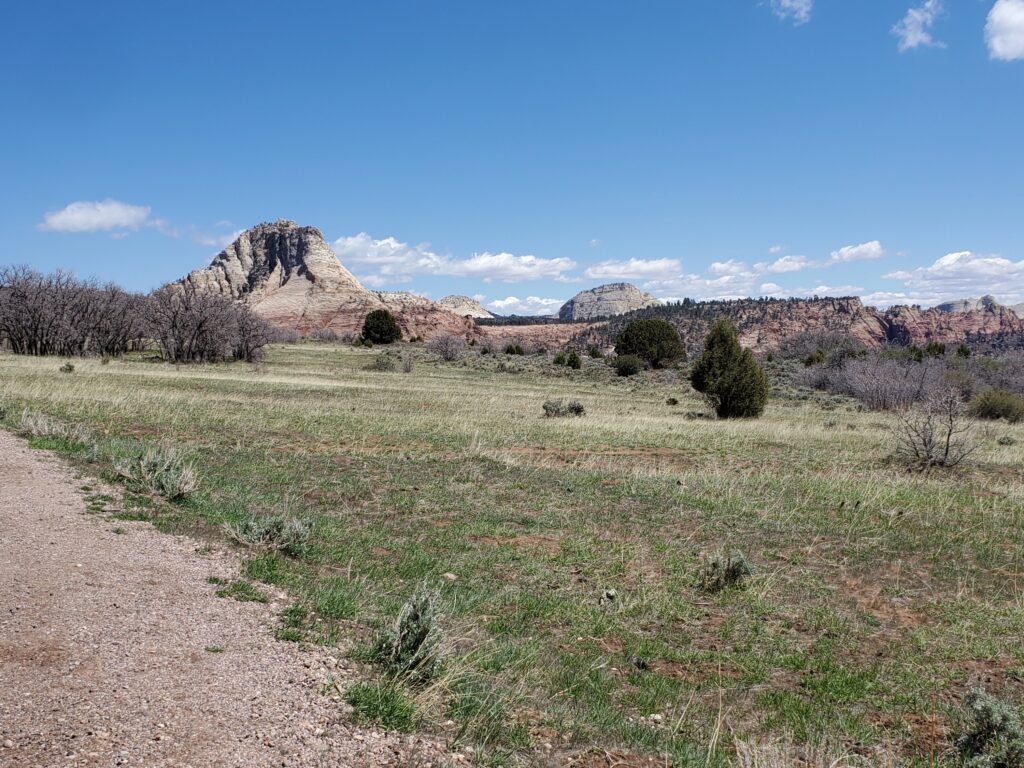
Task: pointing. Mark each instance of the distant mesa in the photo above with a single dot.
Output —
(464, 305)
(606, 301)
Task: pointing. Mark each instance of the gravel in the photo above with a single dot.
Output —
(105, 645)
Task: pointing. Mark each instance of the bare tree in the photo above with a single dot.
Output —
(58, 314)
(448, 347)
(194, 326)
(935, 434)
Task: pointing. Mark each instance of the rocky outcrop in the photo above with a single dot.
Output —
(606, 301)
(764, 324)
(289, 275)
(988, 302)
(968, 305)
(464, 305)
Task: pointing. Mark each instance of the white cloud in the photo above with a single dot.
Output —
(776, 249)
(914, 29)
(531, 305)
(783, 264)
(962, 275)
(1004, 30)
(726, 286)
(799, 11)
(731, 268)
(98, 216)
(395, 261)
(863, 252)
(595, 243)
(634, 269)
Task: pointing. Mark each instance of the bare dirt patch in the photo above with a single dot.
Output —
(114, 649)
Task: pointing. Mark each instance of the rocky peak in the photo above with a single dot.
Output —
(969, 305)
(606, 301)
(464, 305)
(288, 274)
(268, 257)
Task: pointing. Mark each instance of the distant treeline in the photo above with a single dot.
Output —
(520, 320)
(60, 314)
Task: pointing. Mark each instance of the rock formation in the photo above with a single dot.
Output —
(464, 305)
(764, 324)
(606, 301)
(289, 275)
(987, 302)
(968, 305)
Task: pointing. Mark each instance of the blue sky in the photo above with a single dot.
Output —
(525, 151)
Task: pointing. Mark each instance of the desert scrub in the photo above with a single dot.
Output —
(37, 425)
(998, 404)
(995, 737)
(383, 703)
(721, 571)
(559, 408)
(935, 435)
(627, 365)
(272, 533)
(159, 469)
(409, 648)
(385, 363)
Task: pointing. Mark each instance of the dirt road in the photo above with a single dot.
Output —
(114, 650)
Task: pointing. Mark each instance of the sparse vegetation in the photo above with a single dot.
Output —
(723, 570)
(560, 407)
(998, 404)
(936, 434)
(243, 592)
(278, 533)
(451, 470)
(447, 347)
(385, 363)
(158, 469)
(384, 703)
(408, 649)
(995, 735)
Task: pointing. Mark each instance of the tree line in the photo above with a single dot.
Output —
(60, 314)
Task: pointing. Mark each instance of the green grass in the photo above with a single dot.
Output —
(383, 703)
(243, 592)
(879, 596)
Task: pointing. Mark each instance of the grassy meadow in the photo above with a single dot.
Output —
(568, 551)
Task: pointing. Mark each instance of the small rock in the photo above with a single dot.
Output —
(8, 744)
(450, 577)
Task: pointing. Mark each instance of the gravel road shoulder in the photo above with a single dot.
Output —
(114, 650)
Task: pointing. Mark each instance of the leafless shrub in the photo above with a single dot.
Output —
(324, 334)
(279, 335)
(880, 382)
(195, 326)
(448, 347)
(59, 314)
(935, 434)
